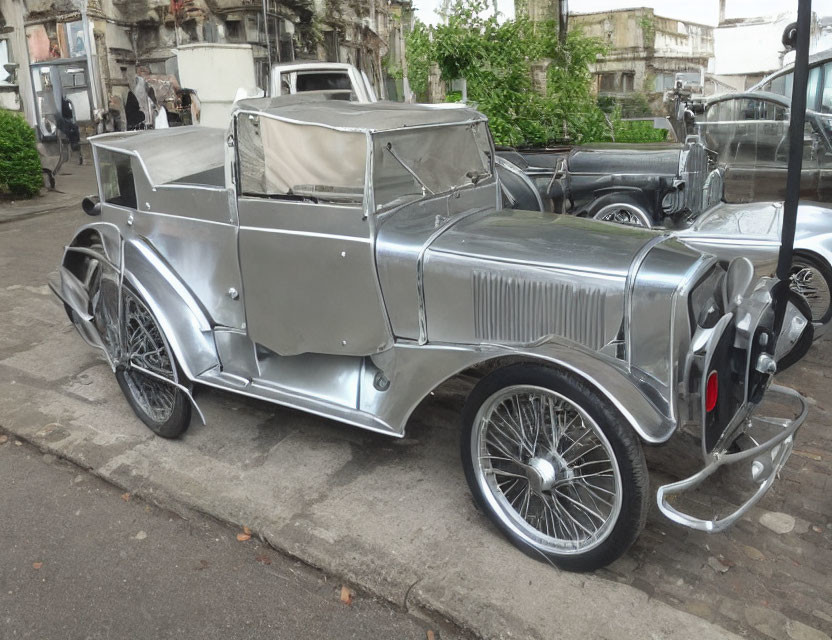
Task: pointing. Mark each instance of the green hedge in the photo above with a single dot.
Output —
(638, 131)
(20, 170)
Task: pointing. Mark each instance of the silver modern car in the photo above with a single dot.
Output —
(347, 259)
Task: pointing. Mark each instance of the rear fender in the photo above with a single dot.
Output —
(179, 314)
(186, 325)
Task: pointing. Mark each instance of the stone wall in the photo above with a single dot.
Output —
(645, 51)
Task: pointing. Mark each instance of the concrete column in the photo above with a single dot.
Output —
(436, 87)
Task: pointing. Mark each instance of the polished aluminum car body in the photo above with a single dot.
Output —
(347, 259)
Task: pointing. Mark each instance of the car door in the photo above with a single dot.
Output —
(823, 128)
(306, 245)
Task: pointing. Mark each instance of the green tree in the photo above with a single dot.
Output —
(496, 61)
(20, 170)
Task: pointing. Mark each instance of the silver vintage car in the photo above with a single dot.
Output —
(347, 259)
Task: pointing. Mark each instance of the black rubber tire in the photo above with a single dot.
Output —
(824, 269)
(626, 447)
(175, 426)
(180, 417)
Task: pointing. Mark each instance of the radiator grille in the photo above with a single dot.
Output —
(515, 310)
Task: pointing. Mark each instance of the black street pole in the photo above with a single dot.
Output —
(799, 40)
(798, 118)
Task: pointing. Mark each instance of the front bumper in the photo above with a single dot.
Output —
(767, 458)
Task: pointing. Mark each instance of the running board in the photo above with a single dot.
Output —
(271, 391)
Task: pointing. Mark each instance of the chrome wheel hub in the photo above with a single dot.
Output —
(541, 474)
(623, 213)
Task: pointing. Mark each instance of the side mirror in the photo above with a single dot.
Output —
(91, 205)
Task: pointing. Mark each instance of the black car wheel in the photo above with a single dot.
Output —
(622, 213)
(161, 405)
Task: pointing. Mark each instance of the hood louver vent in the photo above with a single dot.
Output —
(520, 311)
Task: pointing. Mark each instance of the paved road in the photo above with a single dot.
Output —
(78, 561)
(395, 515)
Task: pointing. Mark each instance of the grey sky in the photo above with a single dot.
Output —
(703, 11)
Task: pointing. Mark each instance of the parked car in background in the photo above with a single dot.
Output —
(749, 132)
(753, 230)
(331, 80)
(818, 89)
(352, 284)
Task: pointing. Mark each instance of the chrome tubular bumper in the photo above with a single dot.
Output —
(767, 459)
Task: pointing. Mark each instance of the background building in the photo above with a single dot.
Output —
(646, 52)
(738, 65)
(108, 58)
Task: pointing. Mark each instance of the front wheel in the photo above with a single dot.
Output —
(554, 466)
(162, 406)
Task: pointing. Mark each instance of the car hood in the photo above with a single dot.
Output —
(517, 277)
(545, 239)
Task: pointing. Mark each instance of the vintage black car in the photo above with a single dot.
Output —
(648, 185)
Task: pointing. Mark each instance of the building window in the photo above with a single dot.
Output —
(606, 82)
(331, 46)
(233, 30)
(4, 59)
(663, 82)
(285, 41)
(628, 81)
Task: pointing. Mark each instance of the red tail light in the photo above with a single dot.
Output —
(711, 391)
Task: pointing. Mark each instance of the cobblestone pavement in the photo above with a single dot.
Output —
(771, 575)
(396, 515)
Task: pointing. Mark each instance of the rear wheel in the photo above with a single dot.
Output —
(161, 405)
(554, 466)
(812, 279)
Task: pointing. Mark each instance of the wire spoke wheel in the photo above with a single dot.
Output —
(623, 213)
(547, 469)
(809, 281)
(144, 346)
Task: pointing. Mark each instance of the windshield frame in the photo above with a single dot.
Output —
(487, 149)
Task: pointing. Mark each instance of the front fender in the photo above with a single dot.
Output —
(414, 371)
